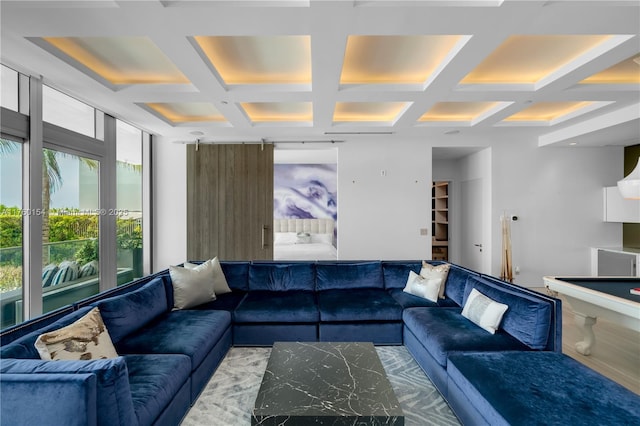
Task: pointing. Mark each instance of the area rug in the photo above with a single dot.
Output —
(228, 398)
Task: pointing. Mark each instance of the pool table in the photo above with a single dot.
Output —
(593, 297)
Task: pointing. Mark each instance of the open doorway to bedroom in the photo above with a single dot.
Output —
(305, 204)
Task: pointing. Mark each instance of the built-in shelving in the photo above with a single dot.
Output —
(440, 221)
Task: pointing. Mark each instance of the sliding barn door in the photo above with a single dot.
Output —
(230, 202)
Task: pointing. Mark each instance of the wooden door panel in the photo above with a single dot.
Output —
(229, 202)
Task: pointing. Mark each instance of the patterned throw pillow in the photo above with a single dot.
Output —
(68, 271)
(85, 339)
(483, 311)
(89, 269)
(436, 272)
(48, 272)
(423, 287)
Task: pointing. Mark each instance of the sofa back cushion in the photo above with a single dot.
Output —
(237, 274)
(114, 405)
(278, 276)
(396, 273)
(124, 314)
(554, 340)
(24, 347)
(11, 334)
(346, 275)
(528, 318)
(456, 283)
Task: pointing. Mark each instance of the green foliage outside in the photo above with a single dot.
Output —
(64, 232)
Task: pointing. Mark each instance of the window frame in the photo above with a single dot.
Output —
(28, 127)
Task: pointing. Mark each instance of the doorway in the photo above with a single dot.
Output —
(471, 202)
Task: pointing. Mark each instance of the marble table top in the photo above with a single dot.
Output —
(325, 383)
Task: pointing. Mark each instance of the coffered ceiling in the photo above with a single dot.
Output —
(303, 70)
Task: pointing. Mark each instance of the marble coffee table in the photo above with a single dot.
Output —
(325, 383)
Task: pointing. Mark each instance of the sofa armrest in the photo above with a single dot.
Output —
(114, 404)
(61, 399)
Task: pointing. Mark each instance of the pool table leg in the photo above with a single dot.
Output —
(585, 323)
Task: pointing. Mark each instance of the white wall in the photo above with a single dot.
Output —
(169, 204)
(379, 217)
(556, 192)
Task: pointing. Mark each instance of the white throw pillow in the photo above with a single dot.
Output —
(484, 311)
(283, 238)
(192, 287)
(436, 272)
(220, 285)
(85, 339)
(322, 239)
(423, 287)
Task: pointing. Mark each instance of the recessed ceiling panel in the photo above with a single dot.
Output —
(121, 60)
(185, 112)
(548, 111)
(278, 111)
(457, 111)
(394, 59)
(526, 59)
(259, 59)
(625, 72)
(368, 111)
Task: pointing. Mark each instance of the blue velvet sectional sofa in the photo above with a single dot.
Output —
(167, 356)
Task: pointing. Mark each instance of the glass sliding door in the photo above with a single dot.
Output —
(129, 199)
(70, 231)
(11, 230)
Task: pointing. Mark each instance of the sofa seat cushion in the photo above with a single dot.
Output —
(277, 306)
(444, 330)
(358, 304)
(407, 300)
(192, 333)
(540, 388)
(154, 382)
(224, 302)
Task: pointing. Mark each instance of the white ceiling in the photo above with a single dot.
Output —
(171, 26)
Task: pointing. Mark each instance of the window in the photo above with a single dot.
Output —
(129, 198)
(78, 200)
(9, 95)
(70, 239)
(65, 111)
(10, 232)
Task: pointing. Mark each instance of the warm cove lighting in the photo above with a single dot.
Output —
(121, 60)
(630, 186)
